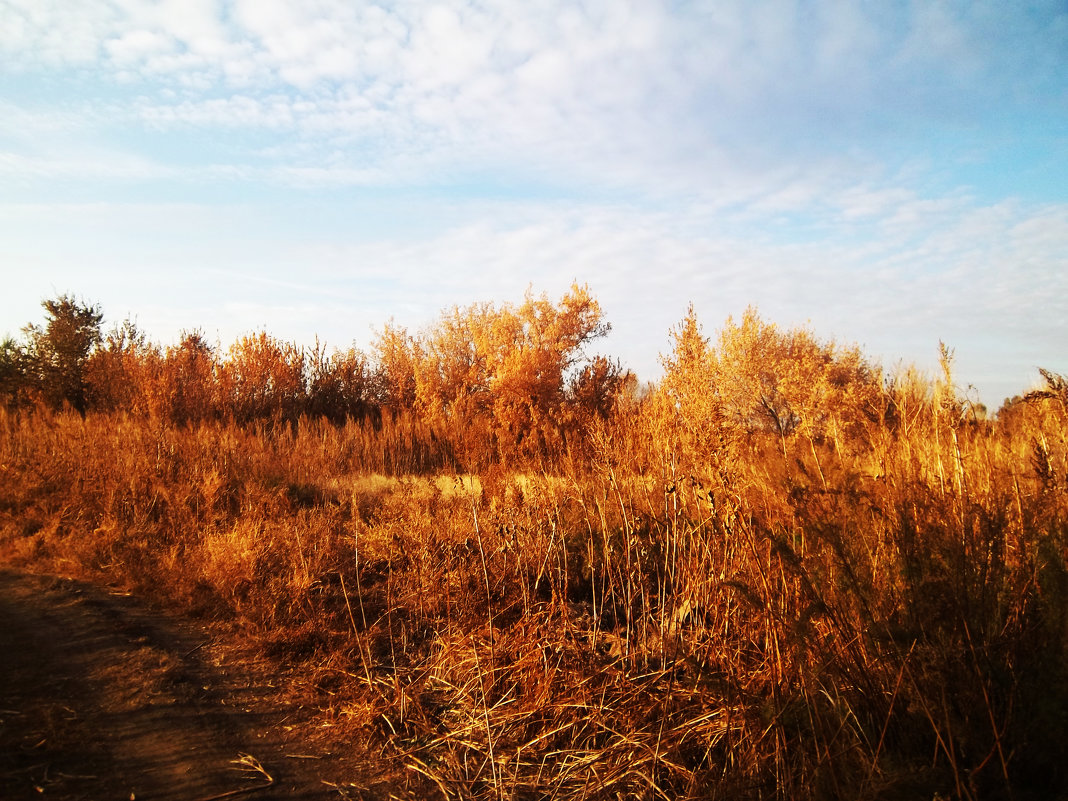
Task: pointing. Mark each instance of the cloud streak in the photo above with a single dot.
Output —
(856, 165)
(634, 93)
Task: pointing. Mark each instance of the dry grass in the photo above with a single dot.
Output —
(669, 612)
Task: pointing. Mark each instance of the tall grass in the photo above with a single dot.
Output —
(673, 608)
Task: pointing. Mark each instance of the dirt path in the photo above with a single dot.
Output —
(101, 698)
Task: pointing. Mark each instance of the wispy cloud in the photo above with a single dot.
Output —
(840, 162)
(626, 93)
(991, 274)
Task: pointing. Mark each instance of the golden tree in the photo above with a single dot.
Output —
(117, 373)
(784, 382)
(263, 378)
(395, 353)
(58, 353)
(760, 380)
(339, 384)
(687, 398)
(499, 378)
(183, 385)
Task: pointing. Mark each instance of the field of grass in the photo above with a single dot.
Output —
(868, 600)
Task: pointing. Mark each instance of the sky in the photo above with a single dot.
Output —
(889, 174)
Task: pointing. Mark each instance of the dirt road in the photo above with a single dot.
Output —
(103, 698)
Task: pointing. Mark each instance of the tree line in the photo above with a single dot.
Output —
(486, 383)
(515, 380)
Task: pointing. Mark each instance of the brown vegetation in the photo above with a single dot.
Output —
(781, 573)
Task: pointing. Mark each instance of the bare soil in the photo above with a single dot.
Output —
(103, 697)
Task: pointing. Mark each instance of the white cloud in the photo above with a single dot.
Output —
(235, 111)
(90, 164)
(138, 45)
(775, 153)
(621, 94)
(994, 284)
(444, 51)
(45, 31)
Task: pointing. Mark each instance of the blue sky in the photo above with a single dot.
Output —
(891, 174)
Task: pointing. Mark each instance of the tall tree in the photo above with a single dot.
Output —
(116, 372)
(508, 369)
(759, 379)
(12, 372)
(185, 389)
(58, 352)
(396, 354)
(689, 397)
(263, 378)
(339, 385)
